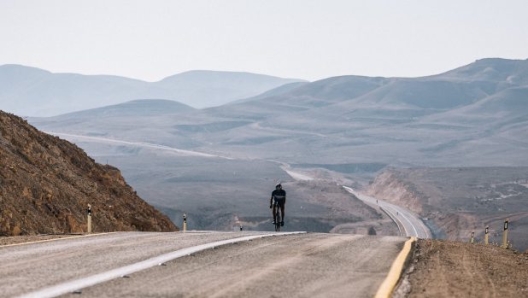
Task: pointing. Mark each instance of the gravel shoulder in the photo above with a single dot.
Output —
(457, 269)
(12, 240)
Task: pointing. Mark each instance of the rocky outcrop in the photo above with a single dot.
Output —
(46, 184)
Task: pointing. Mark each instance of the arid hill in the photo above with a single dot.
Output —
(458, 201)
(46, 184)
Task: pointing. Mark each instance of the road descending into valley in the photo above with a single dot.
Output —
(141, 264)
(408, 222)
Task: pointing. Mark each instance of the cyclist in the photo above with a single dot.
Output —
(279, 195)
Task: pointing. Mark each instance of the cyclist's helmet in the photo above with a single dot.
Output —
(278, 185)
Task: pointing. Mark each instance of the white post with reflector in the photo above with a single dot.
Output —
(89, 214)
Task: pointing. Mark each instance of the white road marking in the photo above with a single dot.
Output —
(76, 285)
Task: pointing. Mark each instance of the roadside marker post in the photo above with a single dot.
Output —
(486, 236)
(505, 234)
(184, 222)
(89, 214)
(472, 240)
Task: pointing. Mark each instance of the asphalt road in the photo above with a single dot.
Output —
(409, 223)
(301, 265)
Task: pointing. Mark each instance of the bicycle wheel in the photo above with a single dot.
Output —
(278, 218)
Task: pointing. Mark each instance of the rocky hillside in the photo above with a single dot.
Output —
(459, 201)
(47, 183)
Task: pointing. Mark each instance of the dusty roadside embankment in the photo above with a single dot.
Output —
(440, 268)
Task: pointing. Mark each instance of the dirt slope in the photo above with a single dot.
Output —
(456, 269)
(46, 184)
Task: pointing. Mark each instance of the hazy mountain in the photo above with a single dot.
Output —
(334, 128)
(273, 92)
(419, 121)
(34, 92)
(202, 89)
(503, 71)
(133, 108)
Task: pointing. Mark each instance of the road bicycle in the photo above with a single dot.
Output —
(278, 218)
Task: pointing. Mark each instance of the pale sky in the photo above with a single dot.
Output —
(305, 39)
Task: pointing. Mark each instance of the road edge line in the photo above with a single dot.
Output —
(388, 285)
(401, 227)
(88, 281)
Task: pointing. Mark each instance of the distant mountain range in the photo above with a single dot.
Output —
(473, 115)
(338, 128)
(28, 91)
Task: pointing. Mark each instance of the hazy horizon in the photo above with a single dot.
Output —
(310, 40)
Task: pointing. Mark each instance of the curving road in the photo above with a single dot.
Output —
(288, 265)
(101, 140)
(408, 222)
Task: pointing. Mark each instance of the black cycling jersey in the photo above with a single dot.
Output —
(279, 195)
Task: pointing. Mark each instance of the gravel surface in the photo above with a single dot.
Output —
(459, 269)
(13, 240)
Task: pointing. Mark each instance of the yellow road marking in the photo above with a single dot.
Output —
(386, 288)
